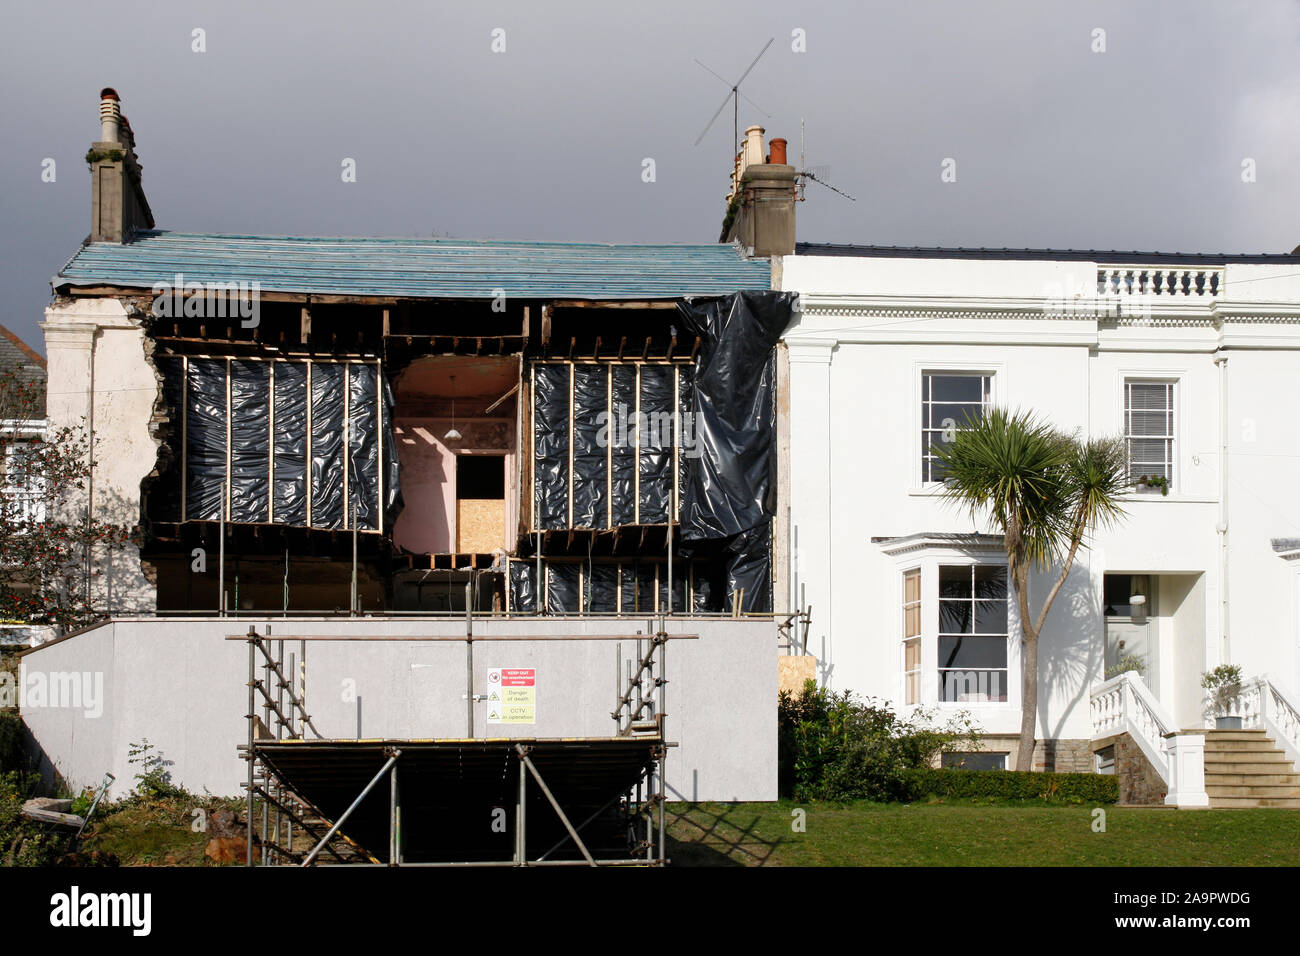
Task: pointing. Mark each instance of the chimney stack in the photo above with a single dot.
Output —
(760, 210)
(118, 205)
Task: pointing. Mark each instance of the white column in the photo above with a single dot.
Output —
(1185, 754)
(812, 526)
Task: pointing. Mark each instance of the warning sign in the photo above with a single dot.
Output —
(512, 695)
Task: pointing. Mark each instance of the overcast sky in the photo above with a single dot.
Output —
(1137, 147)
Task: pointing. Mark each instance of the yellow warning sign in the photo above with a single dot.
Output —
(516, 689)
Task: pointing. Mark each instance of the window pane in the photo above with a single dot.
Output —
(954, 582)
(978, 760)
(957, 388)
(972, 652)
(1142, 395)
(911, 587)
(912, 621)
(912, 654)
(990, 581)
(973, 685)
(990, 617)
(945, 415)
(955, 617)
(1149, 423)
(1148, 449)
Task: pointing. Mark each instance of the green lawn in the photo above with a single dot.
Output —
(967, 833)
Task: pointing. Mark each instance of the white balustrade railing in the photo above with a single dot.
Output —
(1124, 704)
(1202, 281)
(1264, 705)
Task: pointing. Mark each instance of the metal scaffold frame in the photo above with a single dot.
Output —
(294, 830)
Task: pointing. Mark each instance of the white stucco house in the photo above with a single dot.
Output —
(1191, 357)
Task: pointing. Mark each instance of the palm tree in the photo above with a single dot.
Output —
(1046, 492)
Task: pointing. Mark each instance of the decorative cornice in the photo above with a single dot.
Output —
(940, 541)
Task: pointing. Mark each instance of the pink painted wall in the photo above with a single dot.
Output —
(427, 523)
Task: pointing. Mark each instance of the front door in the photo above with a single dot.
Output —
(1130, 633)
(1126, 643)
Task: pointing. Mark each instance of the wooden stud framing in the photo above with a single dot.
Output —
(229, 483)
(572, 375)
(611, 433)
(636, 473)
(185, 437)
(674, 505)
(309, 476)
(270, 445)
(347, 441)
(379, 409)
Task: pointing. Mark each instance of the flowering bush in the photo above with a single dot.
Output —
(48, 541)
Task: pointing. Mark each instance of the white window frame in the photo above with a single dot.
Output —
(928, 556)
(939, 669)
(1174, 384)
(995, 373)
(919, 637)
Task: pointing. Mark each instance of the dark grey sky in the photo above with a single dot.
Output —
(1056, 145)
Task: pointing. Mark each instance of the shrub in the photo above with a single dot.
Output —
(1089, 788)
(24, 842)
(840, 747)
(11, 743)
(154, 781)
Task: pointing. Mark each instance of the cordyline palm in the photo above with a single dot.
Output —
(1046, 492)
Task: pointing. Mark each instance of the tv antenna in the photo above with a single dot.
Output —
(818, 174)
(735, 96)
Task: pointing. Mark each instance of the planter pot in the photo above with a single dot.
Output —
(1227, 723)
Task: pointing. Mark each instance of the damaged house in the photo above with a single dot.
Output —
(371, 425)
(413, 439)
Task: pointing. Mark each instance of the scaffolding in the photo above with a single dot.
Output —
(309, 797)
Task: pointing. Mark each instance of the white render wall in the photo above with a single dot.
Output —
(179, 683)
(870, 326)
(100, 381)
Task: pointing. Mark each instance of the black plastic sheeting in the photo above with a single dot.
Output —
(618, 586)
(655, 427)
(205, 439)
(523, 587)
(268, 431)
(562, 582)
(623, 462)
(326, 509)
(250, 461)
(622, 441)
(551, 445)
(602, 588)
(731, 485)
(289, 497)
(726, 437)
(590, 446)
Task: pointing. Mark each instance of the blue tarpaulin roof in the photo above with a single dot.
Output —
(432, 268)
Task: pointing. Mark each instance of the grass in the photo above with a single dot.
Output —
(977, 833)
(157, 832)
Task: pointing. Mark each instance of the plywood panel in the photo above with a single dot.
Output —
(480, 524)
(793, 671)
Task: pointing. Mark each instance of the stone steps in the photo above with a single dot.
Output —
(1245, 768)
(1254, 803)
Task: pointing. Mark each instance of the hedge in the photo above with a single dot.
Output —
(1092, 788)
(11, 742)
